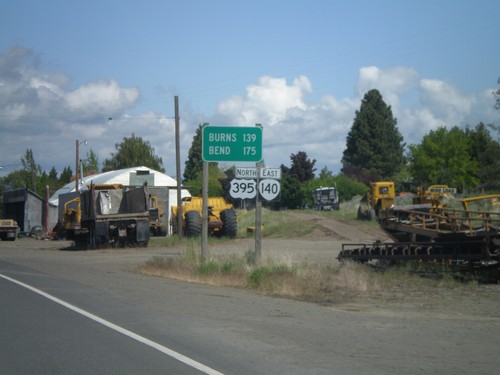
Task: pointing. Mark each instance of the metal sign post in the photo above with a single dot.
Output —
(231, 144)
(258, 221)
(204, 214)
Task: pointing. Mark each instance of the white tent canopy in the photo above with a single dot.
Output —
(135, 176)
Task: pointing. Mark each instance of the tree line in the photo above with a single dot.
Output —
(466, 158)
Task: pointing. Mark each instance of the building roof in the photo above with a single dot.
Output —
(126, 177)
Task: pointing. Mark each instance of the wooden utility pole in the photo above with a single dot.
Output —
(204, 210)
(76, 166)
(178, 167)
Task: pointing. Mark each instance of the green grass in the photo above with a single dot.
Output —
(275, 224)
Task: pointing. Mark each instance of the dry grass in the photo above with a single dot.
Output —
(303, 281)
(286, 278)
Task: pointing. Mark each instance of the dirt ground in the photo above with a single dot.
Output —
(322, 246)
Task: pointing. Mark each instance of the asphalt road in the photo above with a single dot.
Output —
(230, 331)
(39, 336)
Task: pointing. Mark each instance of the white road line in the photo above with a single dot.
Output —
(172, 353)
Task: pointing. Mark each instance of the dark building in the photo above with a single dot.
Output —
(25, 207)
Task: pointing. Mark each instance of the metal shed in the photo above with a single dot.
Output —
(24, 206)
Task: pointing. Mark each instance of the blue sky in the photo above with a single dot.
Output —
(298, 67)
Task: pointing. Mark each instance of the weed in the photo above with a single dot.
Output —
(256, 277)
(227, 267)
(209, 267)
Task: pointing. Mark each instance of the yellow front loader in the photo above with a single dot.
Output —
(222, 220)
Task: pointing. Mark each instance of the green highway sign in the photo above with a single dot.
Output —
(232, 143)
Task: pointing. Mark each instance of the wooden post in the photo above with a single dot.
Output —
(76, 166)
(178, 167)
(204, 212)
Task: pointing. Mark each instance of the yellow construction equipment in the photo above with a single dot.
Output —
(8, 229)
(222, 220)
(377, 201)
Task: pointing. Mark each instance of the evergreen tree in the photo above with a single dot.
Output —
(374, 148)
(302, 167)
(325, 173)
(53, 181)
(91, 163)
(65, 176)
(193, 167)
(194, 163)
(31, 170)
(133, 152)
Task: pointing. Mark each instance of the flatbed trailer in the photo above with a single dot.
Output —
(465, 238)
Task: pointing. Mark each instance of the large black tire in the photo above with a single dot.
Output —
(229, 223)
(175, 230)
(193, 224)
(361, 215)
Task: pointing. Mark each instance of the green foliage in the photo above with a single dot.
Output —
(349, 187)
(485, 151)
(443, 157)
(270, 276)
(302, 167)
(65, 176)
(31, 170)
(14, 180)
(194, 164)
(214, 186)
(31, 176)
(275, 224)
(209, 267)
(256, 277)
(374, 147)
(301, 170)
(133, 152)
(193, 170)
(91, 163)
(292, 196)
(325, 173)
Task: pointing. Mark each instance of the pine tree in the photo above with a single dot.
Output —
(193, 166)
(194, 163)
(374, 148)
(302, 167)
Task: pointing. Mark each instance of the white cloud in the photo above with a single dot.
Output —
(38, 110)
(320, 129)
(266, 102)
(444, 100)
(291, 124)
(103, 97)
(391, 82)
